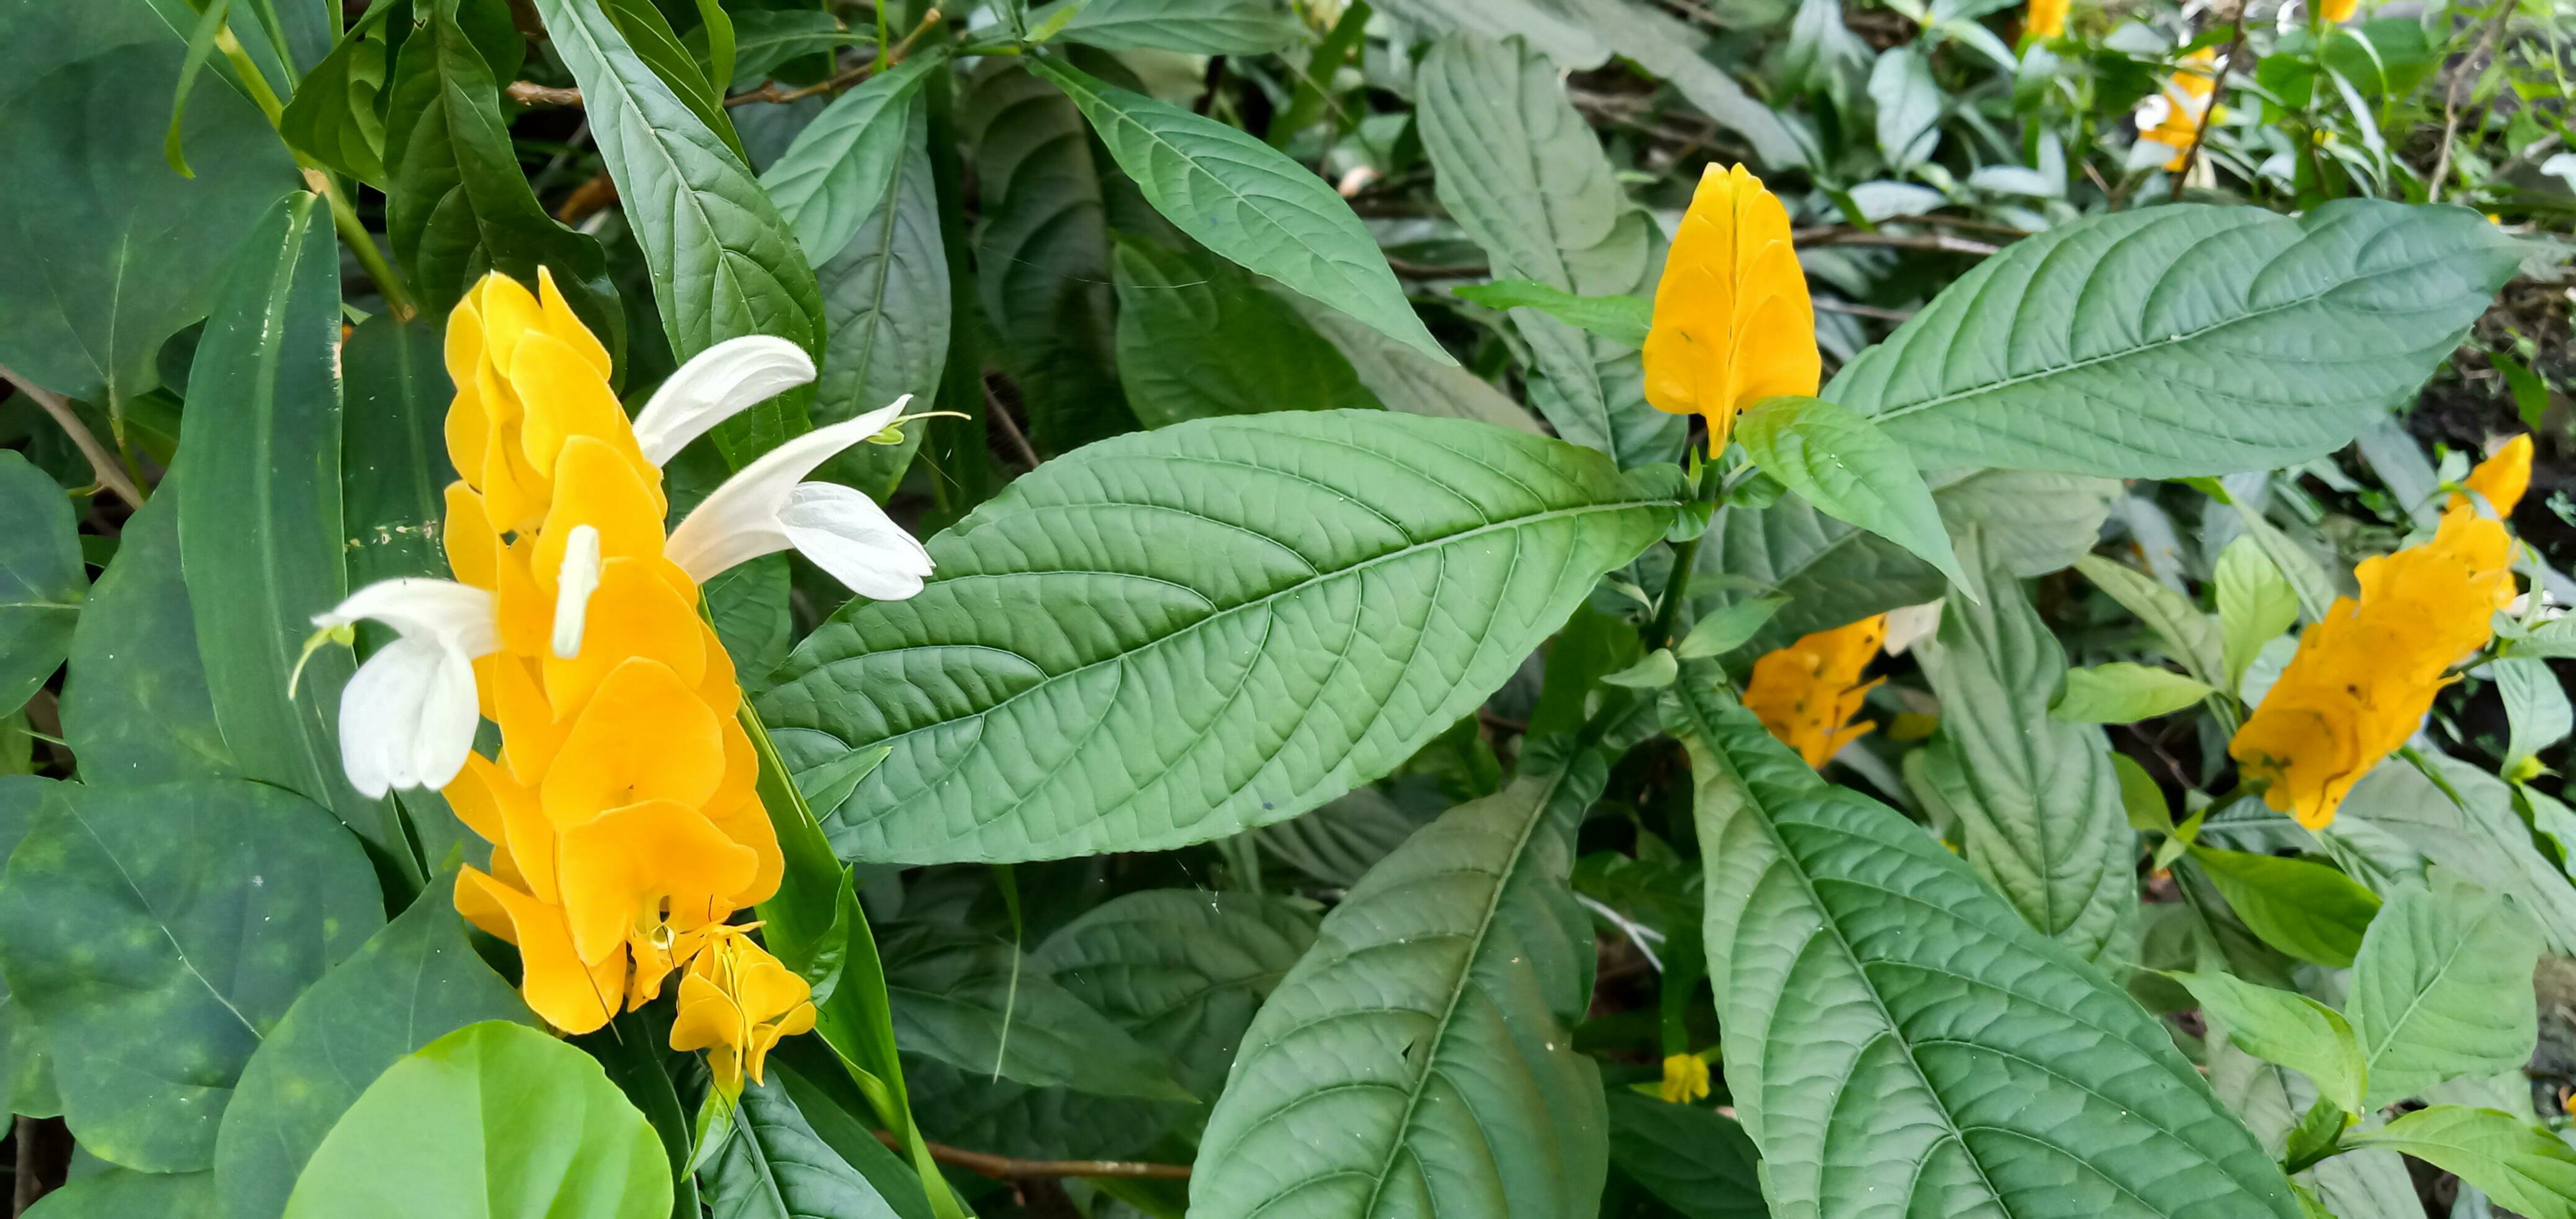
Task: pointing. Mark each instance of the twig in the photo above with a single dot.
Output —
(2217, 90)
(2451, 101)
(530, 93)
(1000, 417)
(110, 475)
(1004, 1168)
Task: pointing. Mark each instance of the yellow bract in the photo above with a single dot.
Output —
(2365, 675)
(2188, 105)
(1732, 321)
(621, 809)
(1808, 691)
(735, 1002)
(2336, 12)
(2046, 19)
(1685, 1078)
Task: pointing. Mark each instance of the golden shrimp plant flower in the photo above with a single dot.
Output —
(736, 1002)
(2174, 117)
(1808, 692)
(2046, 19)
(1732, 322)
(2366, 673)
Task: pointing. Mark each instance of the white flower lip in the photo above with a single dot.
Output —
(765, 508)
(407, 717)
(715, 385)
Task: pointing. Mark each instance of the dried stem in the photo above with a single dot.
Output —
(1004, 1168)
(999, 416)
(2467, 71)
(2217, 90)
(101, 463)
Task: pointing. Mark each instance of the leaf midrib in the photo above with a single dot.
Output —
(2416, 1002)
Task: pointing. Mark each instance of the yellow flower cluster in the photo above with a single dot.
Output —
(621, 809)
(2336, 12)
(1807, 692)
(1685, 1079)
(2365, 675)
(1732, 322)
(2188, 104)
(2045, 20)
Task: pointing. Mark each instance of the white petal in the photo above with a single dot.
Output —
(848, 535)
(740, 519)
(715, 385)
(460, 615)
(380, 714)
(574, 584)
(448, 716)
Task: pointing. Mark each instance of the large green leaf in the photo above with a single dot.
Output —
(26, 1067)
(2525, 1169)
(970, 1001)
(2040, 802)
(333, 115)
(1843, 465)
(2270, 1100)
(1833, 573)
(1345, 838)
(263, 443)
(1197, 27)
(1691, 1159)
(2480, 835)
(724, 263)
(2191, 638)
(414, 982)
(393, 463)
(1043, 244)
(1406, 380)
(1523, 173)
(774, 1166)
(2288, 1028)
(1899, 1040)
(160, 933)
(1174, 635)
(107, 252)
(2299, 906)
(460, 206)
(122, 1193)
(1420, 1059)
(135, 706)
(849, 1136)
(2442, 989)
(857, 186)
(492, 1121)
(1246, 201)
(1198, 337)
(2182, 340)
(41, 579)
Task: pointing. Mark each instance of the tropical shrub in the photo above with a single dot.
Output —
(1518, 608)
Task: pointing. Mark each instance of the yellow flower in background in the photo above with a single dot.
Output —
(2174, 117)
(2046, 19)
(1732, 322)
(2366, 674)
(2336, 12)
(736, 1001)
(1807, 692)
(1685, 1079)
(2503, 478)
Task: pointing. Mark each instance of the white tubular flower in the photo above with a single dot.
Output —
(573, 587)
(764, 509)
(407, 717)
(715, 385)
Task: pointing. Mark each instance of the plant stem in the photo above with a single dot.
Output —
(353, 232)
(1004, 1168)
(251, 80)
(103, 464)
(1659, 633)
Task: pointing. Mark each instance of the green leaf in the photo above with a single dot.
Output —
(1691, 1159)
(2044, 820)
(122, 1193)
(333, 116)
(1524, 174)
(1655, 672)
(413, 982)
(776, 1167)
(2481, 836)
(2191, 638)
(2182, 340)
(2442, 988)
(41, 579)
(2288, 1028)
(1420, 1058)
(765, 39)
(1833, 573)
(264, 444)
(1406, 380)
(126, 924)
(640, 25)
(969, 1000)
(1908, 101)
(26, 1068)
(844, 165)
(492, 1121)
(2525, 1169)
(2535, 706)
(723, 260)
(1043, 246)
(393, 453)
(135, 706)
(850, 1137)
(1728, 628)
(1194, 27)
(2255, 604)
(1895, 1032)
(2364, 1184)
(1246, 202)
(2124, 693)
(1183, 970)
(1620, 318)
(2308, 580)
(126, 252)
(460, 206)
(1199, 338)
(2305, 909)
(1430, 555)
(1846, 468)
(1335, 844)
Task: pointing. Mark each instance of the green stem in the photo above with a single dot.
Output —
(252, 81)
(1659, 634)
(397, 294)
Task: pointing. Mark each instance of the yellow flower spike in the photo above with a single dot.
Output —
(736, 811)
(516, 700)
(735, 1003)
(2046, 19)
(473, 546)
(1685, 1079)
(509, 311)
(644, 736)
(569, 994)
(468, 427)
(634, 613)
(562, 397)
(560, 321)
(1732, 322)
(2503, 478)
(596, 485)
(1807, 692)
(616, 869)
(2336, 12)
